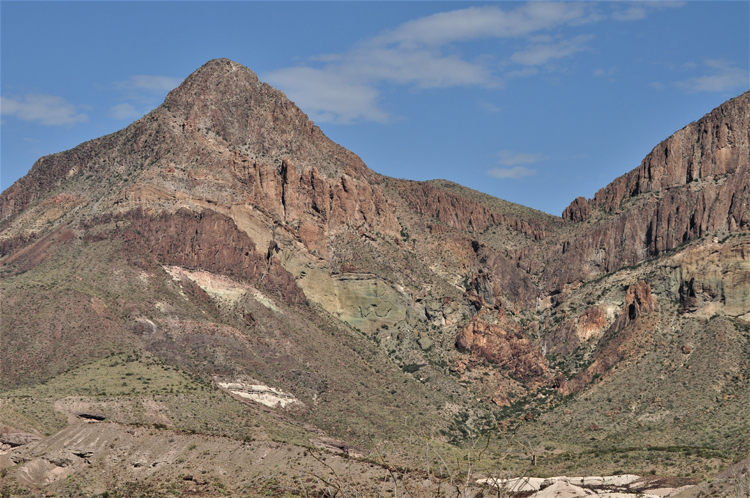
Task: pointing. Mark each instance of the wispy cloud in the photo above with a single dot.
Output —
(148, 83)
(542, 53)
(485, 22)
(328, 96)
(49, 110)
(509, 158)
(635, 11)
(722, 76)
(516, 173)
(146, 89)
(490, 107)
(125, 111)
(602, 72)
(421, 54)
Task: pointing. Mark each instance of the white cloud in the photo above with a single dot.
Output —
(149, 83)
(330, 97)
(601, 72)
(145, 89)
(521, 73)
(542, 53)
(490, 107)
(125, 111)
(515, 173)
(723, 76)
(636, 11)
(632, 13)
(483, 22)
(49, 110)
(421, 68)
(344, 88)
(509, 158)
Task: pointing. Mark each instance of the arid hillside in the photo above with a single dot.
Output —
(221, 269)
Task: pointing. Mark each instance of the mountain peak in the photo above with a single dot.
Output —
(216, 81)
(227, 99)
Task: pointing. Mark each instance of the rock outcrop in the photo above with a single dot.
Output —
(714, 278)
(695, 182)
(14, 439)
(572, 333)
(500, 275)
(505, 346)
(577, 211)
(638, 300)
(629, 329)
(462, 213)
(209, 241)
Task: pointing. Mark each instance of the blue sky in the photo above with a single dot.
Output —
(536, 103)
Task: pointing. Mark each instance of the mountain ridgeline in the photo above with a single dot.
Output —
(228, 251)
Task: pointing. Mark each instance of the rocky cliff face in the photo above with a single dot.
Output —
(695, 182)
(210, 241)
(503, 344)
(465, 214)
(713, 147)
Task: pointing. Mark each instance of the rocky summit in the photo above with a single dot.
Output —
(219, 300)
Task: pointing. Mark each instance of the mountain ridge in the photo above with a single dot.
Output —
(225, 237)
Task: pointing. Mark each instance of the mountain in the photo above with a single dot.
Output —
(220, 268)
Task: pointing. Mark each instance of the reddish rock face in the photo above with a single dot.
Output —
(630, 328)
(30, 253)
(13, 244)
(500, 275)
(485, 287)
(321, 205)
(590, 321)
(714, 146)
(638, 300)
(577, 211)
(212, 242)
(462, 213)
(504, 346)
(695, 182)
(573, 333)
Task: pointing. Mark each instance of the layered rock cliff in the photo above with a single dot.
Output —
(693, 183)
